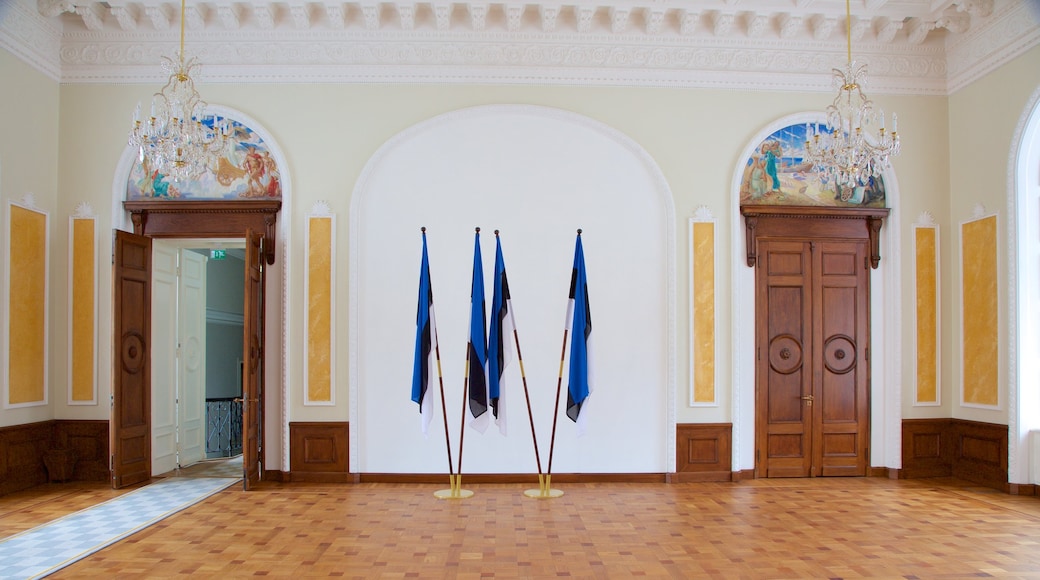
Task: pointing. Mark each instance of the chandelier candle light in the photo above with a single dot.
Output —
(846, 156)
(178, 140)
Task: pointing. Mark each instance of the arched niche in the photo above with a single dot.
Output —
(885, 316)
(537, 174)
(190, 220)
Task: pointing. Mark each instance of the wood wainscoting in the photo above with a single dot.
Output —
(703, 452)
(969, 450)
(23, 448)
(318, 452)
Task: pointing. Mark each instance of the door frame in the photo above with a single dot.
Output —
(784, 222)
(203, 220)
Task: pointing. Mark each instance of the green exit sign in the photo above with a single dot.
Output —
(218, 254)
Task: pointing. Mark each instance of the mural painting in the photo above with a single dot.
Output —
(244, 169)
(777, 174)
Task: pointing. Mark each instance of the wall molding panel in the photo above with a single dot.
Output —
(703, 452)
(703, 309)
(927, 316)
(980, 318)
(25, 354)
(319, 452)
(83, 307)
(319, 287)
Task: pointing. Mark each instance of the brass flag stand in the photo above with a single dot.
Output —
(545, 490)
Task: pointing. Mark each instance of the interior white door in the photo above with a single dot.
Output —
(192, 364)
(164, 357)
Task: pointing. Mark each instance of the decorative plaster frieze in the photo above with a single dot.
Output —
(125, 17)
(790, 26)
(823, 27)
(925, 219)
(731, 44)
(757, 24)
(1010, 31)
(84, 210)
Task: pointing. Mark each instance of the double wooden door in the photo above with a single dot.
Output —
(131, 389)
(812, 361)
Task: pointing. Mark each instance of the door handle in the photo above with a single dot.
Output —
(808, 400)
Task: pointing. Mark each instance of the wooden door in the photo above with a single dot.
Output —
(841, 331)
(812, 379)
(131, 375)
(252, 351)
(784, 377)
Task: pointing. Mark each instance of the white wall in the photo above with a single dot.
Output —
(537, 174)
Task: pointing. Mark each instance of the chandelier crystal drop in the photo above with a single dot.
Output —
(846, 155)
(178, 140)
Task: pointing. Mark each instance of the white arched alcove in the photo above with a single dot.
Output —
(1023, 293)
(537, 174)
(277, 311)
(885, 322)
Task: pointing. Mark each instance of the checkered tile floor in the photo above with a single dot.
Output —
(50, 547)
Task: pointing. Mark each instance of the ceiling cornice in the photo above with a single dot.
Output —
(926, 47)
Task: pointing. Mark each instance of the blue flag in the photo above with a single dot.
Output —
(425, 343)
(501, 340)
(579, 322)
(476, 371)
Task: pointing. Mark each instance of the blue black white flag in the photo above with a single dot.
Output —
(579, 323)
(424, 368)
(476, 372)
(501, 340)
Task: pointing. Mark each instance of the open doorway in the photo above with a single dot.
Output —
(196, 351)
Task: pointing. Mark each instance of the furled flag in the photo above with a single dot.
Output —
(579, 322)
(424, 369)
(476, 371)
(501, 340)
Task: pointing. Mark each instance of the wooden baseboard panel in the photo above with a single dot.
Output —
(968, 450)
(1023, 489)
(317, 477)
(318, 449)
(524, 478)
(24, 447)
(703, 452)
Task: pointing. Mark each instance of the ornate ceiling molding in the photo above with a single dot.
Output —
(911, 46)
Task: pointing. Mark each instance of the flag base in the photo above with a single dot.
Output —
(545, 490)
(455, 492)
(543, 493)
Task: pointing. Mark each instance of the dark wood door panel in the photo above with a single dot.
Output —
(812, 339)
(131, 390)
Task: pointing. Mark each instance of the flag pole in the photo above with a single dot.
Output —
(456, 491)
(545, 490)
(447, 441)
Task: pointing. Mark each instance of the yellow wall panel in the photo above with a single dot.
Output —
(27, 350)
(319, 310)
(703, 312)
(927, 347)
(979, 311)
(82, 310)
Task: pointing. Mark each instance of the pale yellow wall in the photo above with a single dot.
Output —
(328, 132)
(983, 117)
(29, 164)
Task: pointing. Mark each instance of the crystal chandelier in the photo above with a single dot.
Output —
(178, 140)
(846, 156)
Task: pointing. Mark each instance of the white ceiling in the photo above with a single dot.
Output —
(911, 46)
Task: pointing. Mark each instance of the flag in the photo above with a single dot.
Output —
(501, 340)
(425, 344)
(579, 322)
(476, 371)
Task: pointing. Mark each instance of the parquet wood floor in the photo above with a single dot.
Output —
(801, 528)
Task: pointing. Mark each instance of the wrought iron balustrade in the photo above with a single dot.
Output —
(223, 427)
